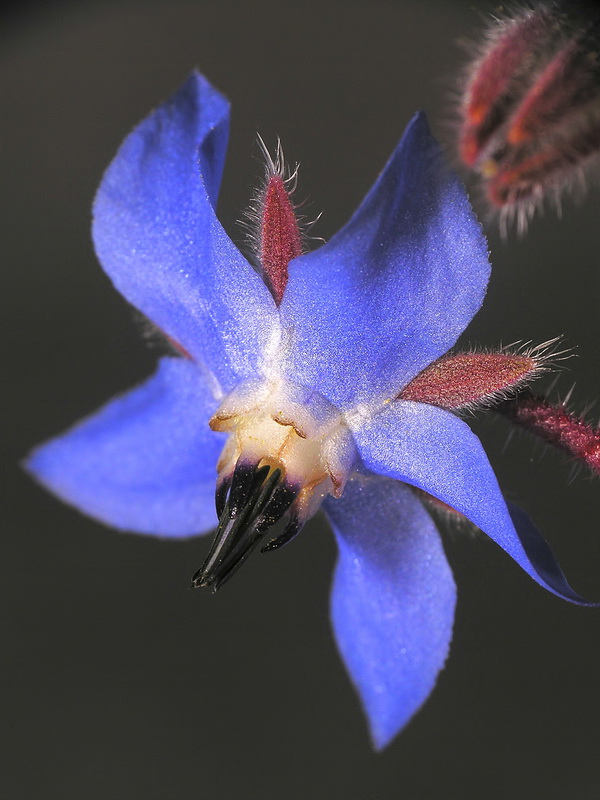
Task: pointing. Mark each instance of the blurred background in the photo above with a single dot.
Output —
(117, 680)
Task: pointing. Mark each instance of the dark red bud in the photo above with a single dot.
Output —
(530, 116)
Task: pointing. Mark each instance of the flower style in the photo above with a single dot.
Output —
(321, 379)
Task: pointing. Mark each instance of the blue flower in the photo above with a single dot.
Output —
(321, 381)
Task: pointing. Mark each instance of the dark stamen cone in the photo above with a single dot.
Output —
(258, 498)
(282, 498)
(290, 531)
(223, 486)
(247, 479)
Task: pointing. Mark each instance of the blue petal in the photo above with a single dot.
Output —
(395, 287)
(393, 599)
(146, 462)
(434, 450)
(158, 238)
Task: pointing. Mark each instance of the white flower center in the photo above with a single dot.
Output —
(288, 448)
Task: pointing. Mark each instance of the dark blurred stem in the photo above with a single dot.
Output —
(554, 424)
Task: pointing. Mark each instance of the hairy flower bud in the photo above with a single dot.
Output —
(530, 113)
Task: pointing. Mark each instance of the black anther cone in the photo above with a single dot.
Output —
(290, 531)
(258, 497)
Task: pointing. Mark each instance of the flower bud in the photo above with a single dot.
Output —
(530, 113)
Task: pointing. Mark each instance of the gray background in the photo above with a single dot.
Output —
(117, 681)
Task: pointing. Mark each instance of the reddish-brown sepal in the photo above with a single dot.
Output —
(470, 380)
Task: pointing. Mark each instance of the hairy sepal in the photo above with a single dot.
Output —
(273, 224)
(471, 380)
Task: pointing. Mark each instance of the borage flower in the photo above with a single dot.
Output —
(320, 380)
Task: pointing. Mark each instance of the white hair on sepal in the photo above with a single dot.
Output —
(251, 222)
(545, 358)
(546, 354)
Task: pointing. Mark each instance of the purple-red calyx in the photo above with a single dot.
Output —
(277, 235)
(473, 380)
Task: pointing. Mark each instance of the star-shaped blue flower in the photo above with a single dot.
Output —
(303, 388)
